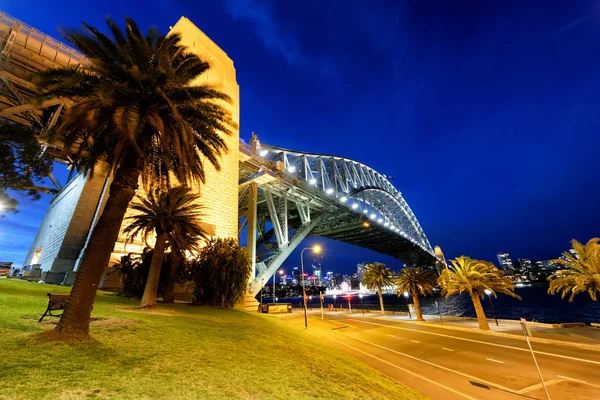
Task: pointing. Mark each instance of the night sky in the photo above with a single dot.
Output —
(486, 113)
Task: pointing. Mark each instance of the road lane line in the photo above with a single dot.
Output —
(482, 342)
(471, 377)
(571, 379)
(539, 386)
(579, 381)
(496, 361)
(406, 370)
(447, 349)
(392, 335)
(415, 341)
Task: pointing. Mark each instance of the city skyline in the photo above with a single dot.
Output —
(523, 205)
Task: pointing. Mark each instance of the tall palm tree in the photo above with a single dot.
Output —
(377, 275)
(582, 273)
(165, 214)
(416, 281)
(473, 277)
(132, 102)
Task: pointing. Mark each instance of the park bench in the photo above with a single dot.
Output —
(55, 302)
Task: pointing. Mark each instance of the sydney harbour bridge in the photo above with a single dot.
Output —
(283, 196)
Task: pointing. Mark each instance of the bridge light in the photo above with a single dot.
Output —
(291, 169)
(366, 224)
(343, 199)
(329, 191)
(380, 220)
(355, 206)
(373, 216)
(365, 211)
(263, 152)
(386, 224)
(312, 181)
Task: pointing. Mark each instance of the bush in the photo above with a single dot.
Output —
(134, 269)
(220, 273)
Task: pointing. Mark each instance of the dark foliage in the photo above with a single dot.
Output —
(23, 163)
(133, 270)
(220, 273)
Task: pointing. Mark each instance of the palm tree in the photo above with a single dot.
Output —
(582, 273)
(377, 275)
(137, 99)
(180, 243)
(473, 277)
(416, 281)
(168, 215)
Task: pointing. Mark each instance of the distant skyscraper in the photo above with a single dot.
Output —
(505, 261)
(360, 269)
(317, 273)
(296, 276)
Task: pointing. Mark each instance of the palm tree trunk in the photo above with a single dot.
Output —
(74, 322)
(175, 261)
(380, 299)
(151, 289)
(418, 307)
(481, 318)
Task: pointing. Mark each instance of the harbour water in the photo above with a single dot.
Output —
(536, 305)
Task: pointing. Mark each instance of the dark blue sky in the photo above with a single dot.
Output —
(486, 113)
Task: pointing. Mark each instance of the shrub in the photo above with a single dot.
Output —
(133, 270)
(220, 273)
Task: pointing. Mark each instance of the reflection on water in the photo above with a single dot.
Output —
(536, 305)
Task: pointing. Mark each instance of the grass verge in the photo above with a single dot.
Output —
(173, 352)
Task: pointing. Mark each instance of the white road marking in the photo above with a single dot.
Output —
(392, 335)
(571, 379)
(415, 341)
(444, 348)
(482, 342)
(471, 377)
(406, 370)
(496, 361)
(539, 386)
(578, 380)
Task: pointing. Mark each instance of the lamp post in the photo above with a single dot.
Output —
(275, 275)
(489, 293)
(315, 249)
(349, 305)
(407, 306)
(361, 303)
(334, 297)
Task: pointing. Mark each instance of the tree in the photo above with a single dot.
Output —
(181, 243)
(23, 164)
(133, 103)
(473, 277)
(377, 275)
(416, 281)
(220, 273)
(171, 215)
(133, 270)
(582, 273)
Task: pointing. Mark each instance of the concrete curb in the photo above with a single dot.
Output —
(508, 335)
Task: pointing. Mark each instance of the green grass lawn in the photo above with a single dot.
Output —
(173, 352)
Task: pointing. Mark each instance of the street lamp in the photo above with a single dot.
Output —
(315, 249)
(274, 275)
(334, 297)
(489, 293)
(407, 306)
(361, 303)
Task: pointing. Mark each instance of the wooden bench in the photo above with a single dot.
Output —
(55, 302)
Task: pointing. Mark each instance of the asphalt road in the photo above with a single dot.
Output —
(450, 364)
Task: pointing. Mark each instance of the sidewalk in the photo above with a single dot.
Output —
(574, 336)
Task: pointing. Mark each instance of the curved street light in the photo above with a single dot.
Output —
(489, 293)
(315, 249)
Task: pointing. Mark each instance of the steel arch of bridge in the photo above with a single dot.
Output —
(286, 196)
(354, 184)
